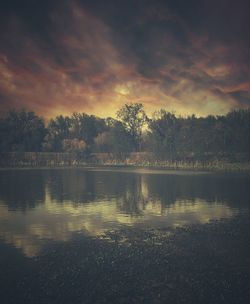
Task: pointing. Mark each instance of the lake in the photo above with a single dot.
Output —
(108, 235)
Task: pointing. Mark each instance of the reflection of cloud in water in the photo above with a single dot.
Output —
(54, 220)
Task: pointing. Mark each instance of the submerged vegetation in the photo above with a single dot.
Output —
(167, 136)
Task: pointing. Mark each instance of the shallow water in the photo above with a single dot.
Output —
(40, 209)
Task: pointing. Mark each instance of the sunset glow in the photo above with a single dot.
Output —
(85, 56)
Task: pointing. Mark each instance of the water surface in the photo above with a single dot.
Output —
(65, 234)
(41, 205)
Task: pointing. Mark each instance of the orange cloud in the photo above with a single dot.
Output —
(89, 67)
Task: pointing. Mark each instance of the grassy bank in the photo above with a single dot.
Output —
(196, 165)
(142, 160)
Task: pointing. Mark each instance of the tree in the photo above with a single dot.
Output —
(58, 130)
(74, 145)
(164, 129)
(134, 118)
(21, 131)
(116, 139)
(86, 127)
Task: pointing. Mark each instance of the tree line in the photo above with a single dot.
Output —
(167, 135)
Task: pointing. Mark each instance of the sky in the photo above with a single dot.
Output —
(93, 56)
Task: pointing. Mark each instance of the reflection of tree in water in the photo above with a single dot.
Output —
(81, 186)
(230, 189)
(22, 189)
(133, 200)
(163, 191)
(71, 185)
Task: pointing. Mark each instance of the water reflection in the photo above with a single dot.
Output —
(22, 189)
(41, 205)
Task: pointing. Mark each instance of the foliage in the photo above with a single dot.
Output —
(134, 119)
(21, 131)
(74, 145)
(116, 139)
(86, 127)
(164, 127)
(168, 136)
(58, 130)
(79, 126)
(178, 137)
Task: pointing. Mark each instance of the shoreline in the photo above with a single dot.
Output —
(48, 160)
(157, 168)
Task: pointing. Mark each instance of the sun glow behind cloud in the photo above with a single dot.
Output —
(87, 64)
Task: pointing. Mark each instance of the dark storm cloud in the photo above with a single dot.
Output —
(242, 96)
(63, 56)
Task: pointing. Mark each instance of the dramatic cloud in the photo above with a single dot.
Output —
(94, 56)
